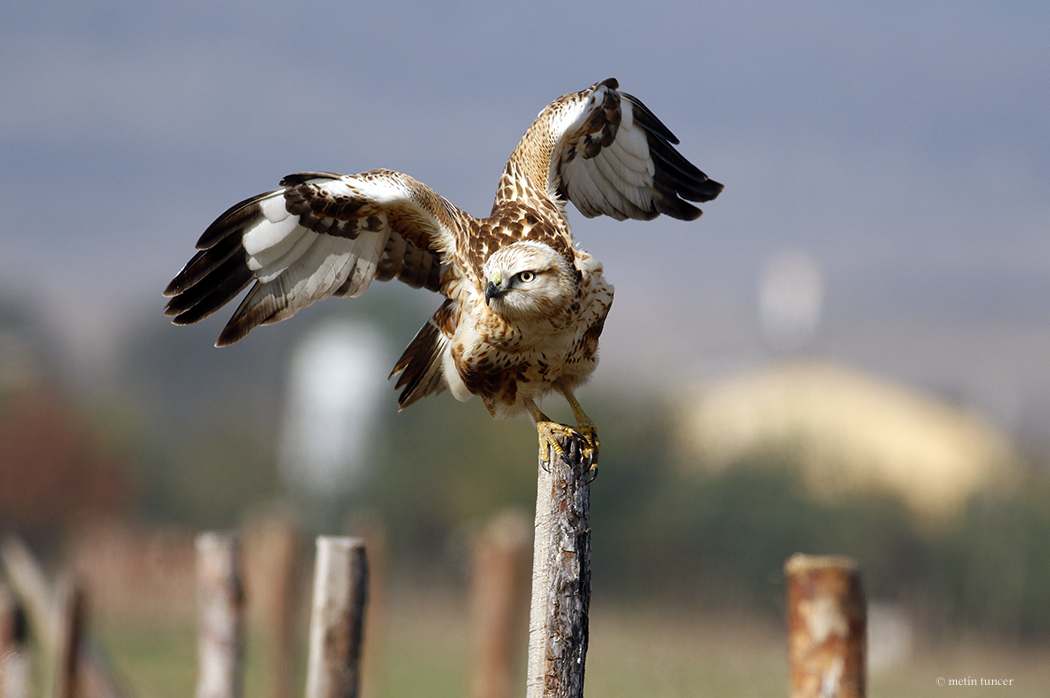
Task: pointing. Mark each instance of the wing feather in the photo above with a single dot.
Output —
(269, 263)
(420, 369)
(320, 235)
(614, 157)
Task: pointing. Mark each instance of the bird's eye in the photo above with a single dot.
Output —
(526, 276)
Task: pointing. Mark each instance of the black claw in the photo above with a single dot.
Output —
(568, 447)
(545, 458)
(573, 452)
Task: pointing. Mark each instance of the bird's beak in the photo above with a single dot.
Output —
(492, 291)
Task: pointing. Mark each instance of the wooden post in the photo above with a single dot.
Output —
(220, 616)
(37, 596)
(827, 627)
(70, 619)
(14, 653)
(370, 528)
(497, 586)
(561, 578)
(271, 553)
(337, 618)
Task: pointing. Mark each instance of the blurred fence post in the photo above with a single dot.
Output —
(37, 596)
(497, 586)
(220, 616)
(337, 618)
(68, 633)
(370, 528)
(14, 654)
(272, 550)
(827, 627)
(561, 577)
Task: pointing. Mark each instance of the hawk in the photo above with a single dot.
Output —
(523, 306)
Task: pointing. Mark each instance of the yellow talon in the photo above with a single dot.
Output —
(590, 435)
(551, 434)
(585, 436)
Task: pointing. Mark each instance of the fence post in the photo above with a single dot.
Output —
(220, 616)
(337, 618)
(36, 593)
(14, 654)
(561, 577)
(69, 630)
(369, 527)
(827, 627)
(497, 586)
(271, 554)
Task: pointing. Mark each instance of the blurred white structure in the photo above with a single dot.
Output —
(336, 378)
(790, 300)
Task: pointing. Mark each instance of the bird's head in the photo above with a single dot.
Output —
(528, 280)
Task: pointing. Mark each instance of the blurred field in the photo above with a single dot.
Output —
(668, 525)
(636, 651)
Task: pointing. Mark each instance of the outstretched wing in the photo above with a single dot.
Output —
(614, 157)
(319, 235)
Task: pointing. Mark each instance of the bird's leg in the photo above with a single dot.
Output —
(549, 433)
(586, 428)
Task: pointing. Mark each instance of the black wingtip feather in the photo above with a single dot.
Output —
(202, 300)
(648, 120)
(677, 180)
(204, 263)
(232, 221)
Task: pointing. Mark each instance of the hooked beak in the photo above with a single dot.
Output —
(492, 291)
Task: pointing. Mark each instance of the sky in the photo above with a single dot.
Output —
(901, 146)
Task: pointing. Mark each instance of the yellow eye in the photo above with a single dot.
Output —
(526, 276)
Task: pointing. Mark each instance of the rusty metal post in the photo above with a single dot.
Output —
(337, 619)
(561, 578)
(220, 616)
(827, 627)
(497, 597)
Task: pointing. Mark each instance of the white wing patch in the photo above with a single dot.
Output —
(367, 250)
(270, 262)
(618, 180)
(614, 157)
(313, 266)
(318, 236)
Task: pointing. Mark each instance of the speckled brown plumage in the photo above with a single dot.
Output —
(524, 307)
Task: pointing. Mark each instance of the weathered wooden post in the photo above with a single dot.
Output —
(827, 627)
(220, 616)
(37, 596)
(561, 577)
(497, 587)
(337, 619)
(370, 528)
(15, 671)
(272, 551)
(68, 633)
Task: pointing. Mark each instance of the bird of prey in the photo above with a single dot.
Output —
(523, 306)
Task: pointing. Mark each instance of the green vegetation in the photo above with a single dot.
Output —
(662, 528)
(636, 651)
(187, 436)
